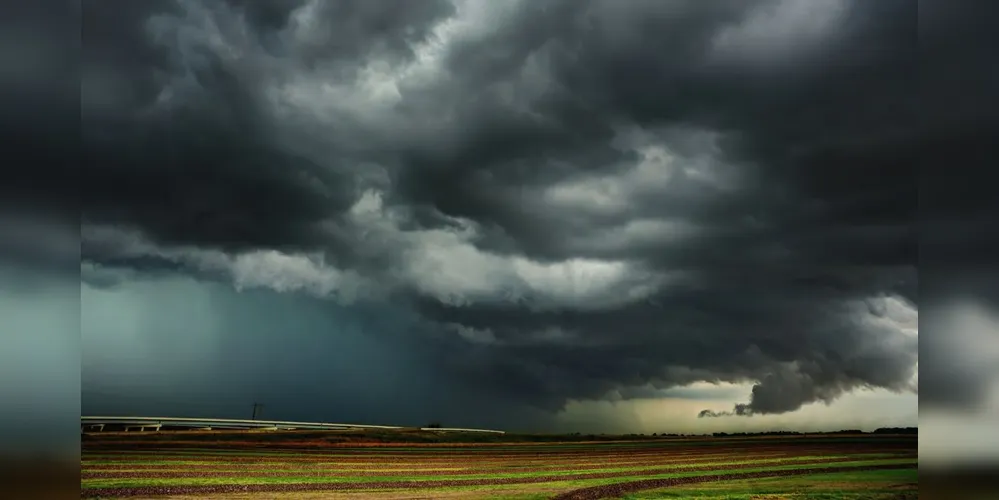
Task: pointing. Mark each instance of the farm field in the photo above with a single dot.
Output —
(300, 466)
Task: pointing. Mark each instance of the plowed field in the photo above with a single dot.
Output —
(127, 467)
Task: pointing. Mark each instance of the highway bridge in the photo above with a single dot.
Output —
(152, 424)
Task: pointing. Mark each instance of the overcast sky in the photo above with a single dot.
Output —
(592, 215)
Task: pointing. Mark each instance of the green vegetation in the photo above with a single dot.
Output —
(148, 466)
(417, 436)
(879, 484)
(322, 478)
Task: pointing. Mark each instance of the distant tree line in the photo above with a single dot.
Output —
(882, 430)
(764, 433)
(897, 430)
(607, 437)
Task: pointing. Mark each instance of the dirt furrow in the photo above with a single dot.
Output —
(419, 467)
(540, 456)
(231, 488)
(427, 465)
(620, 489)
(191, 441)
(173, 441)
(167, 447)
(652, 469)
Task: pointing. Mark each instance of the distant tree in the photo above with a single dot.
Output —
(897, 430)
(434, 425)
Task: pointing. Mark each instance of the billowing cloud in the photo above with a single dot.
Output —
(958, 271)
(571, 200)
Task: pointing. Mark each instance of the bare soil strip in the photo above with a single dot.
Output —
(536, 455)
(652, 469)
(619, 489)
(328, 439)
(320, 449)
(324, 438)
(344, 486)
(597, 462)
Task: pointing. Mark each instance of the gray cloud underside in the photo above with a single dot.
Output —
(574, 197)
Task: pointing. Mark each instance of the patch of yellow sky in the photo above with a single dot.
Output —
(863, 409)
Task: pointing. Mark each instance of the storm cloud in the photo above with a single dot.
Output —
(566, 200)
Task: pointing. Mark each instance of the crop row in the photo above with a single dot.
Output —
(593, 453)
(618, 489)
(562, 468)
(376, 462)
(626, 479)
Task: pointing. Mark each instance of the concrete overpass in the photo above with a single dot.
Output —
(142, 424)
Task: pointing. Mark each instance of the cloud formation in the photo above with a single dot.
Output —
(574, 198)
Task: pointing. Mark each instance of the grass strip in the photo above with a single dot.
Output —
(630, 482)
(434, 479)
(420, 448)
(832, 485)
(493, 464)
(619, 489)
(553, 469)
(595, 455)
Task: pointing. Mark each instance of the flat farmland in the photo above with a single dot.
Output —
(298, 466)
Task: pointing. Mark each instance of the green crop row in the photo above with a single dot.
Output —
(138, 482)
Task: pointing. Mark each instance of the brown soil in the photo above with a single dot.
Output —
(422, 462)
(360, 438)
(389, 467)
(435, 449)
(485, 494)
(619, 489)
(594, 453)
(656, 468)
(345, 486)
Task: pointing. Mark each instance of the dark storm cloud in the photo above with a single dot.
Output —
(202, 170)
(809, 136)
(174, 140)
(730, 188)
(958, 233)
(39, 108)
(827, 215)
(801, 345)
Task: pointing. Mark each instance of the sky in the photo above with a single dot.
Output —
(548, 216)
